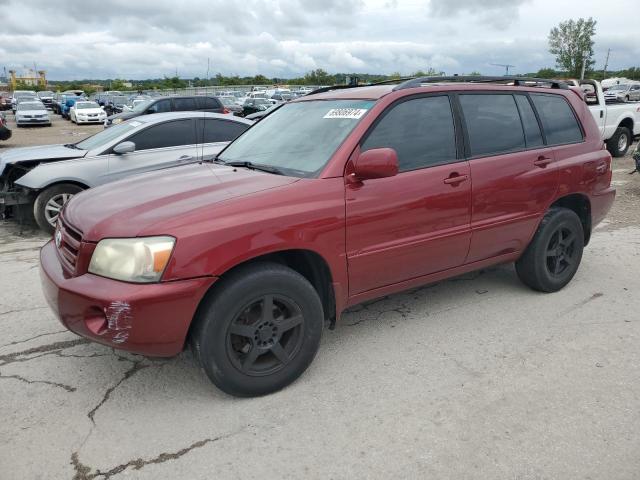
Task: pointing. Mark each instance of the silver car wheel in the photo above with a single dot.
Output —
(53, 207)
(622, 143)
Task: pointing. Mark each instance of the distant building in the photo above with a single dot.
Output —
(29, 77)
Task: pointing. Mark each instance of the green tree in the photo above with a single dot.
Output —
(174, 83)
(572, 44)
(547, 73)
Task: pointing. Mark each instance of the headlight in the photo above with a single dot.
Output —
(116, 121)
(140, 260)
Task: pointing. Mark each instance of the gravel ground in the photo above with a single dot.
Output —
(475, 377)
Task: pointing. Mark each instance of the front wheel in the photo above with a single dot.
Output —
(49, 203)
(553, 256)
(258, 330)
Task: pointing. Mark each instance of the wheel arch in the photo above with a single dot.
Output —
(581, 205)
(307, 263)
(627, 122)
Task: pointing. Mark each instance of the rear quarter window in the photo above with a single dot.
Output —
(558, 120)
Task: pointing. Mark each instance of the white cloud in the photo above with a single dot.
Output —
(152, 38)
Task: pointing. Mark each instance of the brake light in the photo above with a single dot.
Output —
(225, 111)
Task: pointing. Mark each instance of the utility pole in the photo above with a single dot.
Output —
(584, 63)
(505, 65)
(606, 64)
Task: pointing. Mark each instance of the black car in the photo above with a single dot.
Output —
(170, 104)
(254, 105)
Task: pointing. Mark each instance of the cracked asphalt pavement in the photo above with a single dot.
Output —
(476, 377)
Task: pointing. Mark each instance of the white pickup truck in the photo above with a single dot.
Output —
(618, 122)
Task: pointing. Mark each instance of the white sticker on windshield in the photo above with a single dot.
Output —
(345, 113)
(135, 124)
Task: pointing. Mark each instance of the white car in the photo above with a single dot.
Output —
(87, 112)
(32, 113)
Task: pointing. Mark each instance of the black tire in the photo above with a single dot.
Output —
(245, 363)
(614, 143)
(43, 198)
(553, 256)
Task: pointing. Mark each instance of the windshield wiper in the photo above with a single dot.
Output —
(72, 145)
(254, 166)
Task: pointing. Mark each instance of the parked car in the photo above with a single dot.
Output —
(623, 93)
(46, 97)
(230, 103)
(332, 200)
(170, 104)
(22, 95)
(32, 113)
(261, 114)
(115, 104)
(45, 177)
(254, 105)
(5, 131)
(5, 101)
(69, 101)
(87, 112)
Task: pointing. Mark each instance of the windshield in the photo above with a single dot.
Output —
(45, 94)
(105, 136)
(619, 87)
(81, 105)
(142, 106)
(298, 138)
(30, 106)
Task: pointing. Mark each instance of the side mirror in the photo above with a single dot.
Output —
(376, 163)
(124, 147)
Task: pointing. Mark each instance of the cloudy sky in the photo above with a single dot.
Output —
(137, 39)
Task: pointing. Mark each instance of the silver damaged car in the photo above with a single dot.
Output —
(40, 180)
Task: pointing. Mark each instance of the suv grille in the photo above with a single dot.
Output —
(68, 246)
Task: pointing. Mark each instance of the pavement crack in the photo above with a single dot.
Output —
(136, 367)
(84, 472)
(32, 338)
(17, 310)
(582, 303)
(43, 349)
(45, 382)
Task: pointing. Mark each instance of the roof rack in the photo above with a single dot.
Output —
(342, 87)
(506, 80)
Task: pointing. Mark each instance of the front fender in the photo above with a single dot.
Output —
(71, 171)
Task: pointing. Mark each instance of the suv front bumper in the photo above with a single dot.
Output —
(149, 319)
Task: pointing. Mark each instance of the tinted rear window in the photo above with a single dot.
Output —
(184, 104)
(532, 133)
(169, 134)
(558, 121)
(219, 130)
(421, 131)
(208, 103)
(493, 123)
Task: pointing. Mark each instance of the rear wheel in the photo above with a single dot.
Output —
(49, 203)
(258, 330)
(619, 143)
(553, 256)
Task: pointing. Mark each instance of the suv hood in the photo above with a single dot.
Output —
(42, 153)
(146, 204)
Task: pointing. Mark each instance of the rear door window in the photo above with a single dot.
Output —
(208, 103)
(493, 124)
(532, 133)
(211, 131)
(184, 104)
(421, 131)
(161, 106)
(558, 120)
(168, 134)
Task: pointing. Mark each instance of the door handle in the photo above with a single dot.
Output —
(542, 162)
(601, 113)
(455, 179)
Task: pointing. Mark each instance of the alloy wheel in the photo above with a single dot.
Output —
(561, 251)
(54, 206)
(265, 336)
(622, 142)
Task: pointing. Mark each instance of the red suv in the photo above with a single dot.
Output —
(333, 199)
